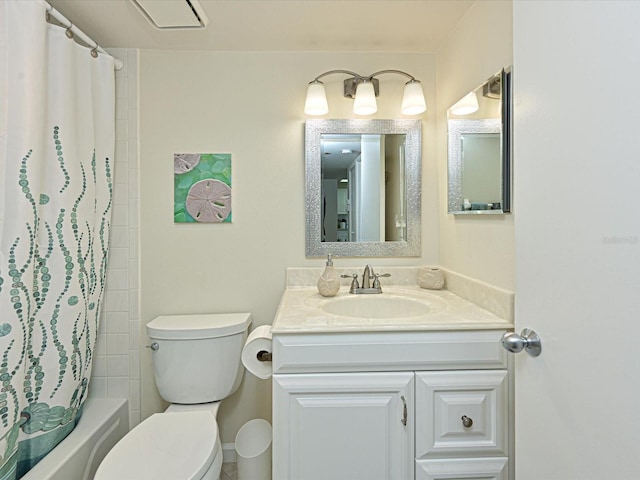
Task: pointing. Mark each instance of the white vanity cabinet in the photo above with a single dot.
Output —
(377, 405)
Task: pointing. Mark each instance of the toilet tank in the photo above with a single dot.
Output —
(197, 359)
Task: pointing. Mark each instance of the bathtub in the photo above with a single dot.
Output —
(104, 421)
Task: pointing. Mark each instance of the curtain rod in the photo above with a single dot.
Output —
(118, 64)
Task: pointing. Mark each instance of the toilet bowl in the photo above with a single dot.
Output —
(196, 361)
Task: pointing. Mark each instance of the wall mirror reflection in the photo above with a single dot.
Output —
(479, 149)
(363, 187)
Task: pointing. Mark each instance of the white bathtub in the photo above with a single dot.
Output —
(104, 421)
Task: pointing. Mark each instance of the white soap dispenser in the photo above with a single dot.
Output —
(329, 281)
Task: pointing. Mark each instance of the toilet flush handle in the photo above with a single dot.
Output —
(154, 346)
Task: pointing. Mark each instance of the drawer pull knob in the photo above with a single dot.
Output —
(466, 421)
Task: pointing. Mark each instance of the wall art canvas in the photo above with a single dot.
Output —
(202, 187)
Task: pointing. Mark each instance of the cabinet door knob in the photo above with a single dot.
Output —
(466, 421)
(404, 411)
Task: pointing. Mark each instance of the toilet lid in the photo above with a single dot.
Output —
(166, 446)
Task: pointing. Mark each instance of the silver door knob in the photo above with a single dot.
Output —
(528, 340)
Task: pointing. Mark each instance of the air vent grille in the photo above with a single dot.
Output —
(173, 14)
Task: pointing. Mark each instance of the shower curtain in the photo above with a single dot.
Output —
(56, 171)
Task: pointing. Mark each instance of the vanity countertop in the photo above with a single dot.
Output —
(301, 310)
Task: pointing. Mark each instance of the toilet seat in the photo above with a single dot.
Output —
(166, 446)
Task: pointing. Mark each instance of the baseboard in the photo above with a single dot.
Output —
(228, 453)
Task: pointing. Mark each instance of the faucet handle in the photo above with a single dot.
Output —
(354, 281)
(376, 280)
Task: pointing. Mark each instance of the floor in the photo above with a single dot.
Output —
(229, 472)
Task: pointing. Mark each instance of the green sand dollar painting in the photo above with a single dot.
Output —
(202, 187)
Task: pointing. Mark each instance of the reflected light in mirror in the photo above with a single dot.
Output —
(467, 105)
(365, 101)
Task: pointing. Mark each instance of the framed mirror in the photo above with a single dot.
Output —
(479, 149)
(363, 187)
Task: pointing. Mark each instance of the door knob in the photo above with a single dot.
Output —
(528, 340)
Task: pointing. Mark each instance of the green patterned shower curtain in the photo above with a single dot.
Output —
(56, 172)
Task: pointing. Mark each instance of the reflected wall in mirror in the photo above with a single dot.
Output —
(363, 187)
(479, 149)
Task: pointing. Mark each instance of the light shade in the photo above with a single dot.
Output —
(316, 102)
(365, 102)
(466, 105)
(413, 102)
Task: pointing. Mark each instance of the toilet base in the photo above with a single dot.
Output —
(216, 467)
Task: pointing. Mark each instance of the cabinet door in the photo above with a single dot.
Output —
(343, 426)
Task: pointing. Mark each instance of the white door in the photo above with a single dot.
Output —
(577, 227)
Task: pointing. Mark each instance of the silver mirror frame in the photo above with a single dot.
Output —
(457, 127)
(314, 129)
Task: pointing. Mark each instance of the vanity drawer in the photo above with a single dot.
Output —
(463, 469)
(461, 413)
(388, 351)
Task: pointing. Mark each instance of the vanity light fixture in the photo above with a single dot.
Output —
(364, 89)
(466, 105)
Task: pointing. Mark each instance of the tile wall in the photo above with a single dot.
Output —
(116, 367)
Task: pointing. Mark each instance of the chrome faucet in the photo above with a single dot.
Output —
(366, 287)
(366, 276)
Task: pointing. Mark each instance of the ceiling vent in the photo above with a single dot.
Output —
(173, 14)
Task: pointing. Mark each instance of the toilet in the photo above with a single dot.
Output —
(196, 364)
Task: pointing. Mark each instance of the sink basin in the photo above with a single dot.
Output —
(378, 306)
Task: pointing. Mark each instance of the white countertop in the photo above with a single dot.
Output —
(300, 311)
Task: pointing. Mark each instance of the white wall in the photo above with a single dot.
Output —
(116, 365)
(248, 104)
(371, 189)
(479, 246)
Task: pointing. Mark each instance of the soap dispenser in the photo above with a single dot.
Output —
(329, 281)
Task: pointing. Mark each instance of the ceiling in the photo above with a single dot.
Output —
(339, 151)
(419, 26)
